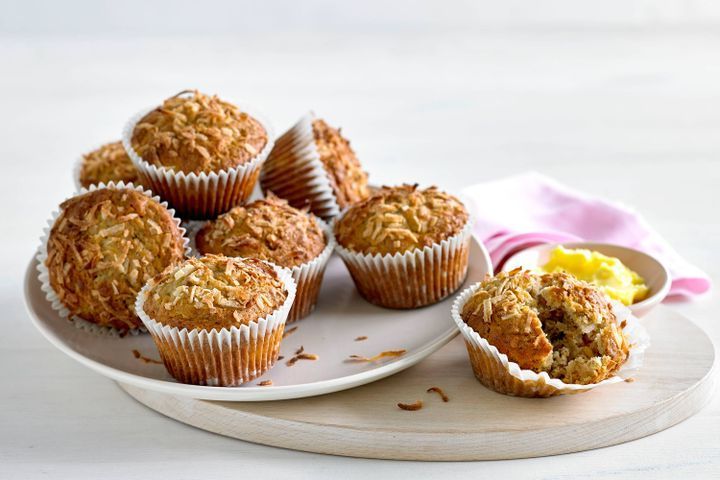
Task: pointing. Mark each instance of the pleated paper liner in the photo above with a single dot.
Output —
(495, 371)
(44, 275)
(226, 357)
(203, 195)
(412, 279)
(308, 278)
(293, 171)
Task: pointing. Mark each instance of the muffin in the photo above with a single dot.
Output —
(561, 331)
(200, 153)
(405, 247)
(312, 165)
(270, 229)
(109, 163)
(102, 247)
(217, 320)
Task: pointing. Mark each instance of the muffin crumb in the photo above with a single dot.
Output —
(411, 406)
(440, 392)
(144, 359)
(301, 355)
(379, 356)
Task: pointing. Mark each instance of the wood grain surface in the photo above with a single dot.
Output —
(476, 423)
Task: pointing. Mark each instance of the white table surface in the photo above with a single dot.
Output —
(630, 115)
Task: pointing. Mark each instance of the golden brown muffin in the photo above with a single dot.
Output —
(109, 163)
(347, 178)
(268, 229)
(198, 133)
(214, 292)
(103, 247)
(552, 323)
(398, 219)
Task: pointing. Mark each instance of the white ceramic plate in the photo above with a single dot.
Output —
(330, 332)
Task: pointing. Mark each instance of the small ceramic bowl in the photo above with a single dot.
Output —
(649, 268)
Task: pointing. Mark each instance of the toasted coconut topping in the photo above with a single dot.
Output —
(109, 163)
(301, 355)
(439, 391)
(553, 323)
(411, 406)
(361, 338)
(398, 219)
(289, 331)
(103, 247)
(265, 383)
(347, 178)
(379, 356)
(269, 229)
(144, 359)
(198, 133)
(215, 292)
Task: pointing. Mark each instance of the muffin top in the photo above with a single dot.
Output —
(552, 323)
(398, 219)
(347, 178)
(109, 163)
(103, 247)
(268, 229)
(198, 133)
(214, 292)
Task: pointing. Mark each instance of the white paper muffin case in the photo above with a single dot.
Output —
(44, 274)
(225, 357)
(309, 277)
(412, 279)
(495, 371)
(203, 195)
(293, 171)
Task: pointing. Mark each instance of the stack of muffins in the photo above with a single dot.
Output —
(116, 257)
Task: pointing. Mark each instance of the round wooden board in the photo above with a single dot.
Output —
(676, 381)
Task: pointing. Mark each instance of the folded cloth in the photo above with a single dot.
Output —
(530, 209)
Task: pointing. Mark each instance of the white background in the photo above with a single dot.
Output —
(619, 98)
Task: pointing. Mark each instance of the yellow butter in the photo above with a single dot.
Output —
(608, 273)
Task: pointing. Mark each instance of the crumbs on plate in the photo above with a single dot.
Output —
(144, 359)
(387, 353)
(301, 355)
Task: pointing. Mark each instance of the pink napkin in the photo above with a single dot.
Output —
(530, 209)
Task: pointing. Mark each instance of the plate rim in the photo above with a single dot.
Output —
(255, 393)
